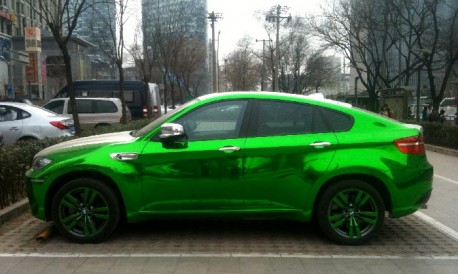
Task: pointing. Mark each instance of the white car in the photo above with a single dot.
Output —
(19, 121)
(92, 112)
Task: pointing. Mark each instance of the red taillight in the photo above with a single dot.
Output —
(145, 111)
(59, 125)
(411, 145)
(155, 109)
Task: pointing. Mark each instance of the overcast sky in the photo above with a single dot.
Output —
(239, 19)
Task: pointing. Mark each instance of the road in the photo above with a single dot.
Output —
(425, 242)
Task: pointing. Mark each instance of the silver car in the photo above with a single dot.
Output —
(19, 121)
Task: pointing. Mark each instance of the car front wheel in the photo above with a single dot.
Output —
(351, 212)
(85, 211)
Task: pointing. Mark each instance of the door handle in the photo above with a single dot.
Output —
(229, 149)
(124, 156)
(320, 144)
(14, 128)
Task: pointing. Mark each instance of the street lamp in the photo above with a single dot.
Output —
(277, 18)
(263, 74)
(356, 90)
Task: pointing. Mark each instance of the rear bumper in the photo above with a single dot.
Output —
(414, 196)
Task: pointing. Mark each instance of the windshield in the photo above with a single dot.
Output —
(159, 121)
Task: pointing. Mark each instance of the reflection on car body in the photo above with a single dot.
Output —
(273, 155)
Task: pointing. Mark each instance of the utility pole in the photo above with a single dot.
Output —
(263, 73)
(277, 18)
(213, 17)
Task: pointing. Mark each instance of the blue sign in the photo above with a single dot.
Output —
(10, 91)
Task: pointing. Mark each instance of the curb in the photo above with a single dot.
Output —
(13, 211)
(442, 150)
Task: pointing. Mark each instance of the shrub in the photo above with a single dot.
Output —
(443, 135)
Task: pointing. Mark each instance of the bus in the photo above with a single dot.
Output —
(136, 93)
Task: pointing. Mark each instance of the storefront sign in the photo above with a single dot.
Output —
(32, 39)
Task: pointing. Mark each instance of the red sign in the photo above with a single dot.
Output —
(31, 70)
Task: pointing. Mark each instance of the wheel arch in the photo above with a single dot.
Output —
(371, 180)
(63, 179)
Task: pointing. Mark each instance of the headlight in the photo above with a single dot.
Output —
(40, 162)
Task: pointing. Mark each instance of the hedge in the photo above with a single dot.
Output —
(16, 159)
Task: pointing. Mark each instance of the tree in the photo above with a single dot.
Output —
(174, 47)
(422, 34)
(434, 24)
(61, 17)
(108, 31)
(358, 30)
(242, 66)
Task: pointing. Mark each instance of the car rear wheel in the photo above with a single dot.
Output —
(85, 211)
(351, 212)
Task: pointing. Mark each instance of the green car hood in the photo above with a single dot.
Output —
(88, 142)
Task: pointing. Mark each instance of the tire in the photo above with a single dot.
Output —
(85, 211)
(351, 212)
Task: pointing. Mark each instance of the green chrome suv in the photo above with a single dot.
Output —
(242, 154)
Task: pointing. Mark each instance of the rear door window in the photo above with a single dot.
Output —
(106, 107)
(56, 106)
(274, 118)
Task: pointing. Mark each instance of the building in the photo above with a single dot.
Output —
(15, 17)
(96, 25)
(166, 20)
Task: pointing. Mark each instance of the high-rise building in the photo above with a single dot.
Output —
(96, 25)
(164, 20)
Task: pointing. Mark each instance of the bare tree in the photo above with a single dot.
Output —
(170, 38)
(242, 71)
(61, 17)
(359, 30)
(434, 24)
(108, 27)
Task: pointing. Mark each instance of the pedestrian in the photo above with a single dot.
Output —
(385, 110)
(442, 116)
(424, 114)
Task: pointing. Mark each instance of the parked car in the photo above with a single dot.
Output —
(271, 155)
(20, 121)
(92, 112)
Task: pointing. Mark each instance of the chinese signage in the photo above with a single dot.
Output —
(31, 70)
(32, 40)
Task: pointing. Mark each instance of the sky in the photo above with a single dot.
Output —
(239, 20)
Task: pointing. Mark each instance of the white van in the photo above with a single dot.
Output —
(92, 112)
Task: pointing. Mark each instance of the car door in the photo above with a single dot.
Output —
(288, 149)
(10, 123)
(201, 173)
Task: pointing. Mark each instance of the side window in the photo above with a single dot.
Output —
(286, 118)
(221, 120)
(83, 106)
(56, 106)
(337, 120)
(106, 107)
(8, 114)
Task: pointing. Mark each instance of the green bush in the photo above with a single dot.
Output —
(443, 135)
(16, 159)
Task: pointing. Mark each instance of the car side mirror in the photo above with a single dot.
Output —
(171, 132)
